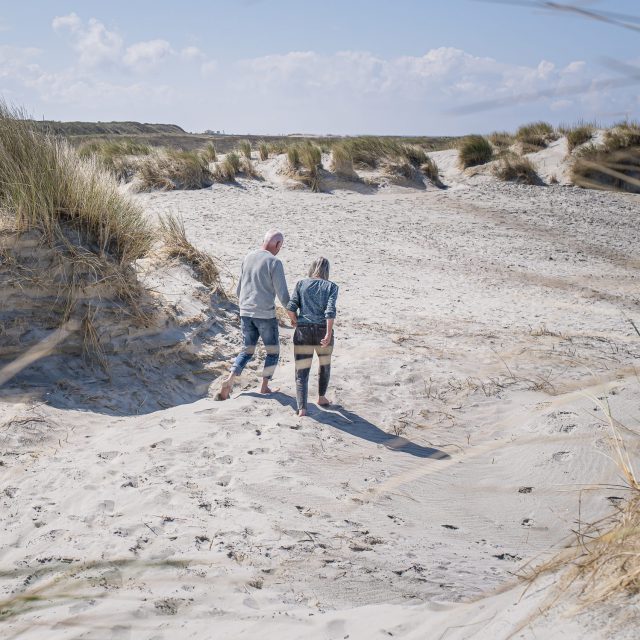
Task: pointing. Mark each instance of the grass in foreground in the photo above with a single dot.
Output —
(604, 563)
(613, 165)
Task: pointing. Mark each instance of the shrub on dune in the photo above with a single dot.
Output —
(263, 150)
(514, 168)
(46, 185)
(535, 136)
(474, 150)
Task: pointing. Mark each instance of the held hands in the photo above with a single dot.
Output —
(326, 341)
(293, 318)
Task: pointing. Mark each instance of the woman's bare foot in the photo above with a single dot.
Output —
(323, 401)
(225, 390)
(265, 388)
(302, 412)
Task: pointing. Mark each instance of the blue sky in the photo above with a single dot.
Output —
(279, 66)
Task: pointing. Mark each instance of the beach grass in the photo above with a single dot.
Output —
(515, 168)
(177, 245)
(48, 185)
(474, 150)
(171, 169)
(244, 147)
(535, 136)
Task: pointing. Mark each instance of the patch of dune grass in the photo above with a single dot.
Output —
(174, 169)
(177, 245)
(244, 146)
(121, 157)
(310, 157)
(209, 153)
(341, 161)
(624, 135)
(227, 170)
(579, 135)
(474, 150)
(536, 136)
(263, 151)
(501, 139)
(45, 185)
(514, 168)
(431, 171)
(293, 157)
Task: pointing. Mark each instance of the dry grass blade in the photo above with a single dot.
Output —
(177, 245)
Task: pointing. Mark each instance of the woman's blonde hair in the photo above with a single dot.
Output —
(319, 268)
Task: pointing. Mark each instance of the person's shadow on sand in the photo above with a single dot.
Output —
(340, 418)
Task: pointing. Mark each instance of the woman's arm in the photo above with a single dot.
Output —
(294, 305)
(326, 341)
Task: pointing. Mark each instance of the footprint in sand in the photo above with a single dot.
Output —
(562, 456)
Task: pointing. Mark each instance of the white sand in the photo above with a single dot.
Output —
(481, 323)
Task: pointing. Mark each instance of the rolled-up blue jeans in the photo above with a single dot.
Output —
(252, 330)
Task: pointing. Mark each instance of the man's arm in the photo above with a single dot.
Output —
(280, 283)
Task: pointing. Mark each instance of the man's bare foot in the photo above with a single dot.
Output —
(323, 401)
(302, 412)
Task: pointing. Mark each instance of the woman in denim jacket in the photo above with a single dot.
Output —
(312, 310)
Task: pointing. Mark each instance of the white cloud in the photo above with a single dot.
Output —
(192, 53)
(71, 22)
(144, 55)
(94, 43)
(209, 68)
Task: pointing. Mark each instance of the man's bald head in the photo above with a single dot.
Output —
(273, 241)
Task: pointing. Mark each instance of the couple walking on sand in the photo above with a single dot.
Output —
(311, 309)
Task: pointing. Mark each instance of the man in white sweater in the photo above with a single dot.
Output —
(261, 280)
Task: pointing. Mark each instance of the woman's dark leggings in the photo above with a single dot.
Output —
(306, 340)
